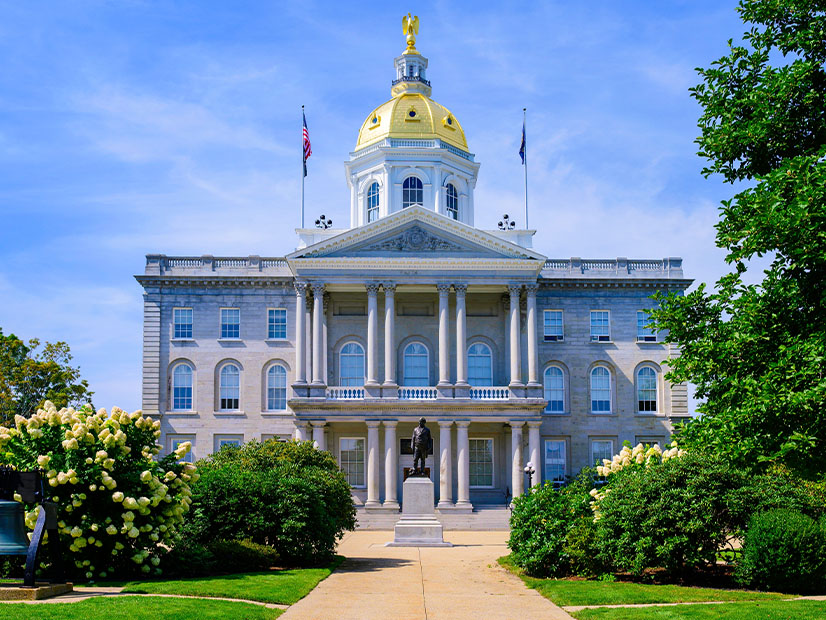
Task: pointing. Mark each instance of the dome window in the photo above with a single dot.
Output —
(373, 203)
(412, 114)
(375, 119)
(449, 121)
(452, 202)
(412, 192)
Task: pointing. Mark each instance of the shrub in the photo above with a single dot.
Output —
(581, 548)
(118, 506)
(784, 550)
(779, 488)
(285, 494)
(189, 559)
(540, 522)
(673, 514)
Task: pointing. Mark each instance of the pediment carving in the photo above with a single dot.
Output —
(414, 239)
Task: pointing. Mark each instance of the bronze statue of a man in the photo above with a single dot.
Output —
(422, 444)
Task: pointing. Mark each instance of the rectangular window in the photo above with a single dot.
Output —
(601, 449)
(645, 331)
(481, 463)
(174, 441)
(600, 326)
(277, 323)
(351, 457)
(182, 321)
(228, 440)
(555, 461)
(553, 325)
(230, 323)
(650, 441)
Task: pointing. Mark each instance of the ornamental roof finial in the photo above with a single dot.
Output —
(410, 25)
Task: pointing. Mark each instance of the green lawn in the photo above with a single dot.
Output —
(763, 610)
(580, 592)
(138, 608)
(276, 586)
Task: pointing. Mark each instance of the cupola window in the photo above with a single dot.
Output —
(373, 202)
(412, 192)
(452, 202)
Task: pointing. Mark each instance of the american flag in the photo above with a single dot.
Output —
(307, 149)
(522, 147)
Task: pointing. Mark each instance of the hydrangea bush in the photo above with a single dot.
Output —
(119, 507)
(639, 456)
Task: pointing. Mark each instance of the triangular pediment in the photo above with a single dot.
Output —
(416, 232)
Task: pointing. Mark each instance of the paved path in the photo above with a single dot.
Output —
(421, 583)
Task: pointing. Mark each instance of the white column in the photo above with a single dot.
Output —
(516, 356)
(462, 465)
(391, 465)
(372, 464)
(318, 337)
(389, 333)
(308, 340)
(535, 452)
(324, 349)
(506, 307)
(533, 373)
(300, 332)
(445, 464)
(372, 329)
(319, 439)
(517, 473)
(461, 334)
(444, 340)
(301, 431)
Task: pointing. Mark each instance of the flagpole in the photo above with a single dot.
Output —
(524, 118)
(303, 166)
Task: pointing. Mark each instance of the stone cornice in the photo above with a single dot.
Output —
(216, 281)
(615, 282)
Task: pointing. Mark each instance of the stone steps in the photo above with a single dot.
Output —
(490, 518)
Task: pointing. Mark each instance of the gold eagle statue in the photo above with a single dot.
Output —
(410, 27)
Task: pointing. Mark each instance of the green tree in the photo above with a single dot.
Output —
(29, 377)
(757, 353)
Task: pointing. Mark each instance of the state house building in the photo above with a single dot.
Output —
(412, 311)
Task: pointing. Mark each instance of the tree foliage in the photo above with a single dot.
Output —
(29, 378)
(757, 353)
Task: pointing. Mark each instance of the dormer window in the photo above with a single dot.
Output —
(452, 202)
(373, 202)
(412, 192)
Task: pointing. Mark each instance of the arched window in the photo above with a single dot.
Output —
(351, 365)
(276, 388)
(452, 201)
(479, 365)
(415, 365)
(373, 202)
(555, 389)
(182, 388)
(600, 390)
(412, 193)
(229, 396)
(646, 389)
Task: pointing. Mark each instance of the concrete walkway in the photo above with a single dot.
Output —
(421, 583)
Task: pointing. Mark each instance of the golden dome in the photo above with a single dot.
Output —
(411, 115)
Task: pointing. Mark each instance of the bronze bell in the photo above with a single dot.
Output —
(13, 539)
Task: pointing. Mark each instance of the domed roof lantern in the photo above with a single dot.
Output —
(411, 66)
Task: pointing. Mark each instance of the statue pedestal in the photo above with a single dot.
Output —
(418, 526)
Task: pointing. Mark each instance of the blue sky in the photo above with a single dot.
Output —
(137, 127)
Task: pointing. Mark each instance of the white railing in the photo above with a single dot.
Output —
(417, 393)
(230, 262)
(273, 262)
(345, 393)
(490, 393)
(645, 265)
(184, 262)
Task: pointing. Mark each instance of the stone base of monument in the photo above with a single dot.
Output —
(418, 526)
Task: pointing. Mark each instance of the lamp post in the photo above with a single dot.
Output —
(530, 471)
